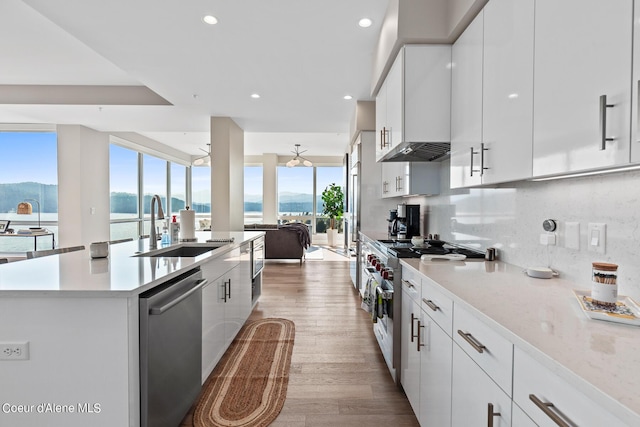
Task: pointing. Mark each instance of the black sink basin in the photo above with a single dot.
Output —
(182, 251)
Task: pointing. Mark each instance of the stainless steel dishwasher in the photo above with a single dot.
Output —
(170, 349)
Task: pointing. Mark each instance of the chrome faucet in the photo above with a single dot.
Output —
(153, 235)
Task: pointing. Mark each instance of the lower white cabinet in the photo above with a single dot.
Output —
(410, 357)
(476, 399)
(546, 397)
(519, 418)
(226, 305)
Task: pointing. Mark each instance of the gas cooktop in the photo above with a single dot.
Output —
(405, 249)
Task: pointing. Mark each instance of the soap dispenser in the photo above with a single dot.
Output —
(165, 237)
(174, 227)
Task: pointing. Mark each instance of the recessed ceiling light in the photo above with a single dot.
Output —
(348, 97)
(365, 22)
(210, 19)
(255, 95)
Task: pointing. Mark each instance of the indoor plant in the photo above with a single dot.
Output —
(333, 207)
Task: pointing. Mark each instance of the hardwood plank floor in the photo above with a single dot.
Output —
(338, 375)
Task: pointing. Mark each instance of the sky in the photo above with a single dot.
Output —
(38, 148)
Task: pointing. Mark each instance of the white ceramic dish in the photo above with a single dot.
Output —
(626, 310)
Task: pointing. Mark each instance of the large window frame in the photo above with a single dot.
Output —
(142, 218)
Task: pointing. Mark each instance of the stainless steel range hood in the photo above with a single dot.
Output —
(418, 152)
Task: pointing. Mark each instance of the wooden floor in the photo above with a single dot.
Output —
(338, 376)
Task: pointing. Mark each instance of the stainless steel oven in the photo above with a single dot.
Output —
(257, 256)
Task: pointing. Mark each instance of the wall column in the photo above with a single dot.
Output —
(269, 188)
(227, 175)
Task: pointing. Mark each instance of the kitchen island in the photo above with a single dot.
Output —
(552, 351)
(80, 318)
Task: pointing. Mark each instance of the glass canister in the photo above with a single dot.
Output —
(604, 283)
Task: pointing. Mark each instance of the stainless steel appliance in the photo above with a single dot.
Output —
(257, 256)
(408, 221)
(393, 223)
(170, 349)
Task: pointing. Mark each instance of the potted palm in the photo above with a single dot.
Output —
(333, 207)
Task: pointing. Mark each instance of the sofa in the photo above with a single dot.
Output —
(283, 241)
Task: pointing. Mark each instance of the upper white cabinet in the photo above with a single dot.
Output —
(507, 91)
(492, 96)
(413, 103)
(635, 91)
(466, 105)
(581, 89)
(409, 178)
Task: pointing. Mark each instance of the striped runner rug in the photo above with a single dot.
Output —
(249, 385)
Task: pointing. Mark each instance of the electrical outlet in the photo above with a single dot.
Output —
(14, 350)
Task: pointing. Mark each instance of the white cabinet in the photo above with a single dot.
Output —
(435, 348)
(507, 91)
(413, 103)
(466, 106)
(410, 357)
(475, 397)
(226, 304)
(543, 396)
(635, 90)
(410, 178)
(575, 66)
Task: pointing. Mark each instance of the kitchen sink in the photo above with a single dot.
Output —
(181, 251)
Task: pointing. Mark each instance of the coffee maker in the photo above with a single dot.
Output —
(393, 223)
(408, 221)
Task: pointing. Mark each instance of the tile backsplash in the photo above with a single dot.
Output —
(509, 217)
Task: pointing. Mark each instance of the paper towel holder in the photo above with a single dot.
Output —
(184, 225)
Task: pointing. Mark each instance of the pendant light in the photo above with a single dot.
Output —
(296, 159)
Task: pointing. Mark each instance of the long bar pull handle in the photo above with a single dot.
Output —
(407, 283)
(413, 335)
(229, 294)
(418, 345)
(472, 341)
(491, 414)
(549, 412)
(472, 154)
(381, 138)
(159, 310)
(482, 150)
(603, 122)
(430, 304)
(224, 292)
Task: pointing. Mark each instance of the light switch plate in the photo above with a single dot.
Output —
(572, 235)
(597, 237)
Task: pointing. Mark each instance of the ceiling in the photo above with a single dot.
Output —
(301, 56)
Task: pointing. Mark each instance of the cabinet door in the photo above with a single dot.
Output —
(435, 374)
(635, 90)
(409, 356)
(213, 326)
(233, 316)
(507, 90)
(393, 174)
(574, 66)
(475, 395)
(395, 102)
(520, 418)
(466, 105)
(381, 120)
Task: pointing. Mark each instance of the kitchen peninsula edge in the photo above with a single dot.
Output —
(542, 318)
(80, 319)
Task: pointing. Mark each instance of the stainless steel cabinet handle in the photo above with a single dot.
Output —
(491, 414)
(430, 304)
(472, 154)
(603, 122)
(418, 345)
(381, 138)
(399, 183)
(472, 341)
(229, 294)
(547, 409)
(408, 284)
(387, 137)
(224, 291)
(159, 310)
(413, 335)
(482, 150)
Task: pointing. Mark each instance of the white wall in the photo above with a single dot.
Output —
(510, 218)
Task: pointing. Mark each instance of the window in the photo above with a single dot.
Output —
(178, 188)
(295, 194)
(154, 181)
(325, 176)
(123, 182)
(253, 198)
(36, 179)
(201, 195)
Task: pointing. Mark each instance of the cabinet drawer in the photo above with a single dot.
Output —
(219, 265)
(542, 395)
(438, 306)
(411, 283)
(491, 351)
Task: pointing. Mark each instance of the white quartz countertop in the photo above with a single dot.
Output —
(543, 317)
(121, 274)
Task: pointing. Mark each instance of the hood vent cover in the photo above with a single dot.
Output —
(418, 152)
